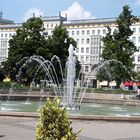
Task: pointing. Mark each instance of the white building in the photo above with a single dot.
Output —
(87, 33)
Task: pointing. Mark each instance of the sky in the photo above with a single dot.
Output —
(20, 10)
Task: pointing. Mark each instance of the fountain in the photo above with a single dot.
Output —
(67, 92)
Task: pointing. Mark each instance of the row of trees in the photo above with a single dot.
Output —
(30, 40)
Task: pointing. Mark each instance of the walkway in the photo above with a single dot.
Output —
(21, 128)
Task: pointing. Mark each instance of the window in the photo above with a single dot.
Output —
(82, 58)
(138, 58)
(93, 32)
(77, 32)
(92, 51)
(1, 35)
(72, 32)
(96, 49)
(104, 31)
(139, 39)
(82, 50)
(10, 35)
(139, 48)
(87, 50)
(88, 32)
(138, 69)
(77, 50)
(86, 68)
(87, 41)
(134, 39)
(98, 32)
(134, 30)
(92, 58)
(139, 29)
(77, 40)
(5, 35)
(83, 32)
(87, 58)
(82, 41)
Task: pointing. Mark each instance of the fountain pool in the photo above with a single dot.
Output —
(86, 108)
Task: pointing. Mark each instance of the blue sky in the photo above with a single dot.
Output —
(20, 10)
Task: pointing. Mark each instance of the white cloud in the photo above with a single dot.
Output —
(76, 11)
(32, 11)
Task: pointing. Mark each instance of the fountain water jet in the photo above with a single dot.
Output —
(67, 92)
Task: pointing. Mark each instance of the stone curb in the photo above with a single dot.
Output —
(77, 117)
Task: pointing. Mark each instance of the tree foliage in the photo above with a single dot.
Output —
(119, 47)
(30, 40)
(54, 123)
(59, 43)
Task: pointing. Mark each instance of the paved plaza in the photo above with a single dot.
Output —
(21, 128)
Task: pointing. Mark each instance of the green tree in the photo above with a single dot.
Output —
(59, 43)
(28, 41)
(54, 123)
(119, 47)
(105, 74)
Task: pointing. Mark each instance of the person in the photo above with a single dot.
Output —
(138, 93)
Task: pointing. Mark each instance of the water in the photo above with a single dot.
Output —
(66, 90)
(86, 108)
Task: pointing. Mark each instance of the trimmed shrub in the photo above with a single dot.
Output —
(54, 123)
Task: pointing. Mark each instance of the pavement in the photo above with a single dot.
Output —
(23, 128)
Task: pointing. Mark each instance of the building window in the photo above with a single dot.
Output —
(10, 35)
(77, 32)
(134, 30)
(87, 41)
(83, 32)
(138, 69)
(1, 35)
(139, 39)
(88, 32)
(87, 59)
(77, 40)
(86, 68)
(5, 35)
(139, 48)
(138, 58)
(92, 51)
(82, 58)
(104, 31)
(98, 32)
(87, 50)
(77, 50)
(93, 32)
(72, 32)
(82, 50)
(139, 30)
(134, 39)
(92, 58)
(82, 41)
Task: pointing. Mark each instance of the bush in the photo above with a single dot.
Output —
(54, 123)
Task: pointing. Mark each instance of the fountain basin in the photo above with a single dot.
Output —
(91, 108)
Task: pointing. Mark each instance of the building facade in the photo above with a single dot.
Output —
(87, 33)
